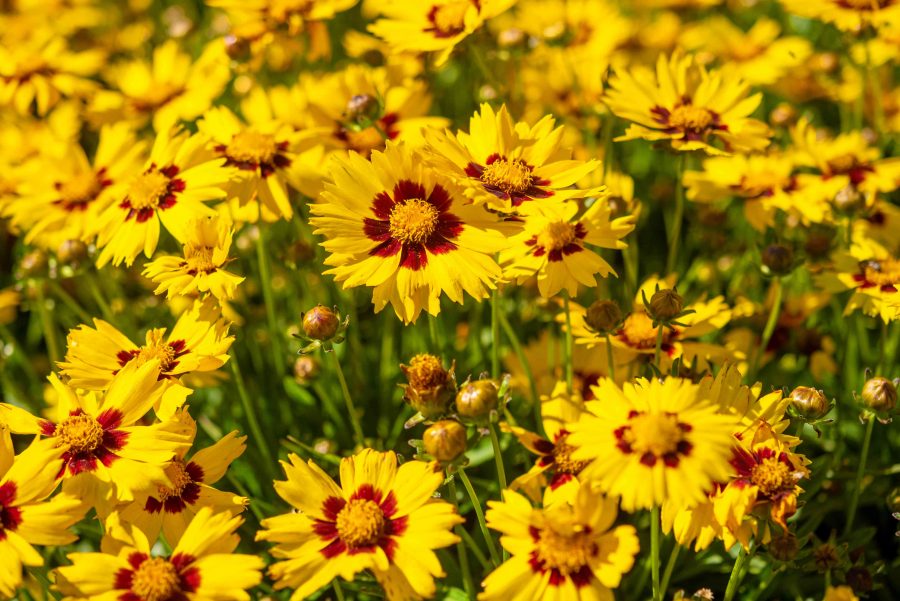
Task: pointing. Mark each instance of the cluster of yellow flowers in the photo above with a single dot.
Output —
(461, 150)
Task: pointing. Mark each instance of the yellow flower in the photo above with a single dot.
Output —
(201, 270)
(840, 593)
(203, 565)
(382, 518)
(433, 26)
(199, 341)
(848, 15)
(251, 18)
(562, 551)
(389, 224)
(553, 246)
(654, 442)
(509, 166)
(27, 516)
(107, 455)
(687, 105)
(9, 303)
(873, 273)
(177, 178)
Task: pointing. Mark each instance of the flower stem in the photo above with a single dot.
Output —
(47, 324)
(860, 470)
(654, 552)
(495, 334)
(774, 312)
(479, 513)
(252, 419)
(265, 279)
(658, 352)
(675, 234)
(882, 354)
(498, 457)
(461, 550)
(68, 301)
(523, 360)
(734, 580)
(611, 363)
(670, 567)
(348, 401)
(570, 368)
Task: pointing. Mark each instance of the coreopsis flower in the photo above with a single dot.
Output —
(872, 272)
(389, 224)
(201, 269)
(554, 467)
(252, 18)
(198, 342)
(554, 247)
(203, 565)
(382, 518)
(433, 26)
(760, 56)
(257, 155)
(171, 87)
(840, 593)
(563, 550)
(178, 177)
(41, 69)
(107, 454)
(65, 201)
(510, 166)
(171, 508)
(848, 15)
(687, 105)
(28, 516)
(653, 442)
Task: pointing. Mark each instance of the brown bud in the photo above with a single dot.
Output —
(818, 241)
(511, 36)
(237, 48)
(778, 259)
(893, 500)
(826, 557)
(33, 263)
(603, 315)
(71, 252)
(445, 440)
(809, 402)
(320, 323)
(849, 199)
(666, 304)
(825, 62)
(477, 399)
(431, 387)
(306, 368)
(879, 394)
(784, 547)
(783, 115)
(362, 108)
(703, 594)
(859, 579)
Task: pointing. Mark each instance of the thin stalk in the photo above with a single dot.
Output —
(875, 84)
(495, 334)
(476, 550)
(523, 360)
(774, 312)
(40, 575)
(570, 367)
(670, 567)
(47, 324)
(338, 591)
(252, 418)
(498, 457)
(105, 309)
(265, 280)
(675, 234)
(654, 552)
(854, 498)
(607, 145)
(348, 401)
(658, 351)
(461, 550)
(611, 363)
(479, 513)
(882, 350)
(70, 302)
(737, 570)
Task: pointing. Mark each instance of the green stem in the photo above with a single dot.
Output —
(40, 575)
(734, 580)
(476, 550)
(570, 367)
(48, 325)
(860, 470)
(875, 84)
(610, 361)
(479, 513)
(252, 419)
(70, 302)
(105, 309)
(338, 591)
(670, 567)
(498, 457)
(658, 352)
(774, 312)
(348, 401)
(675, 234)
(882, 354)
(654, 552)
(526, 367)
(607, 145)
(495, 334)
(461, 550)
(265, 279)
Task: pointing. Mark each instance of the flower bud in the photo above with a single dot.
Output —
(849, 199)
(818, 242)
(477, 399)
(431, 387)
(784, 547)
(362, 108)
(306, 369)
(511, 36)
(783, 115)
(71, 252)
(778, 259)
(445, 440)
(666, 304)
(879, 394)
(33, 263)
(237, 48)
(859, 579)
(825, 62)
(603, 315)
(809, 402)
(320, 323)
(826, 557)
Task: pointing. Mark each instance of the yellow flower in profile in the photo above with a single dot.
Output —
(107, 454)
(382, 518)
(198, 342)
(687, 105)
(848, 15)
(510, 166)
(178, 177)
(28, 516)
(172, 87)
(840, 593)
(433, 26)
(654, 442)
(389, 224)
(170, 508)
(553, 246)
(201, 270)
(872, 272)
(252, 18)
(561, 551)
(40, 70)
(203, 565)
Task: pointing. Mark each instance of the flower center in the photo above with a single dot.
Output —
(414, 221)
(568, 553)
(562, 457)
(79, 191)
(156, 348)
(512, 176)
(772, 477)
(147, 189)
(557, 236)
(360, 523)
(426, 371)
(156, 579)
(657, 433)
(180, 478)
(885, 272)
(252, 147)
(449, 18)
(198, 259)
(688, 117)
(638, 331)
(10, 517)
(80, 433)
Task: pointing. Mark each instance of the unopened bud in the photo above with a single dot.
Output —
(784, 547)
(809, 402)
(362, 108)
(778, 259)
(818, 242)
(431, 387)
(320, 323)
(859, 579)
(71, 252)
(849, 199)
(879, 394)
(826, 557)
(477, 399)
(33, 263)
(603, 316)
(445, 440)
(666, 304)
(783, 115)
(237, 48)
